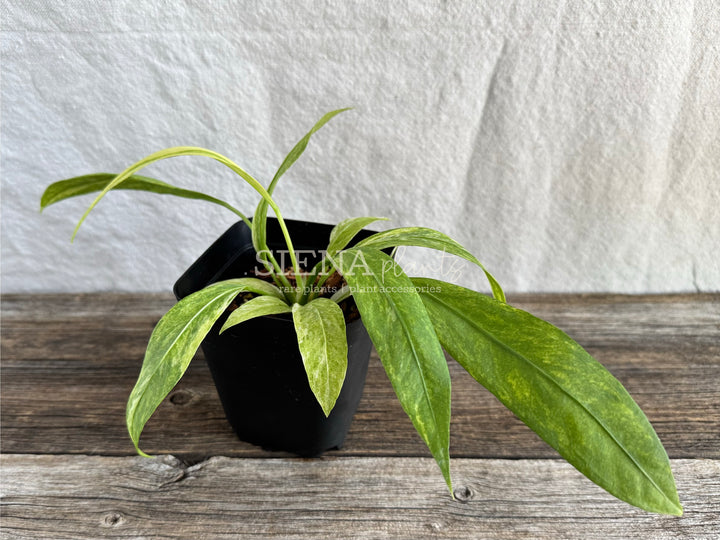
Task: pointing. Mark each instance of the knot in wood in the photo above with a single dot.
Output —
(113, 519)
(181, 397)
(464, 493)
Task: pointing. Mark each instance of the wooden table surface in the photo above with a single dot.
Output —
(69, 469)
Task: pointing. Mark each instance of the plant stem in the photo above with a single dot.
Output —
(341, 294)
(307, 293)
(322, 281)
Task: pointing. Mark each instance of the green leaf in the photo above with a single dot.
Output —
(91, 183)
(343, 233)
(176, 152)
(299, 148)
(428, 238)
(403, 335)
(259, 230)
(261, 287)
(553, 385)
(256, 307)
(259, 227)
(173, 344)
(322, 339)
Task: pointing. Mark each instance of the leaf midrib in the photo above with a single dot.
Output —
(325, 348)
(415, 355)
(556, 383)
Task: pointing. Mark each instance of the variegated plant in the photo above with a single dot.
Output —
(535, 369)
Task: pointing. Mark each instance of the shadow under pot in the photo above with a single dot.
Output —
(256, 365)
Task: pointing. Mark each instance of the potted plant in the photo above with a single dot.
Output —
(264, 389)
(549, 381)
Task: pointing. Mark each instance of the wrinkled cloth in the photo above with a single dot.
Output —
(570, 146)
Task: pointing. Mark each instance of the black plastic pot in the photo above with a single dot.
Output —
(256, 365)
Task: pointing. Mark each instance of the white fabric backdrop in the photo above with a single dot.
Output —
(572, 146)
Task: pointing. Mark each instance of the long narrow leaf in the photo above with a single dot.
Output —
(553, 385)
(173, 344)
(176, 152)
(256, 307)
(320, 328)
(300, 146)
(92, 183)
(259, 230)
(261, 287)
(403, 335)
(343, 233)
(429, 238)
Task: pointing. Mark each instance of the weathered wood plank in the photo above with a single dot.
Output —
(585, 316)
(76, 407)
(92, 497)
(69, 362)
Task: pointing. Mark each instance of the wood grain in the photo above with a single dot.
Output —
(70, 361)
(68, 469)
(78, 497)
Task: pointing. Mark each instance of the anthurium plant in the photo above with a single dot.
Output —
(549, 381)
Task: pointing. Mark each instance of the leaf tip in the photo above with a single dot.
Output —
(77, 228)
(674, 509)
(45, 199)
(136, 443)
